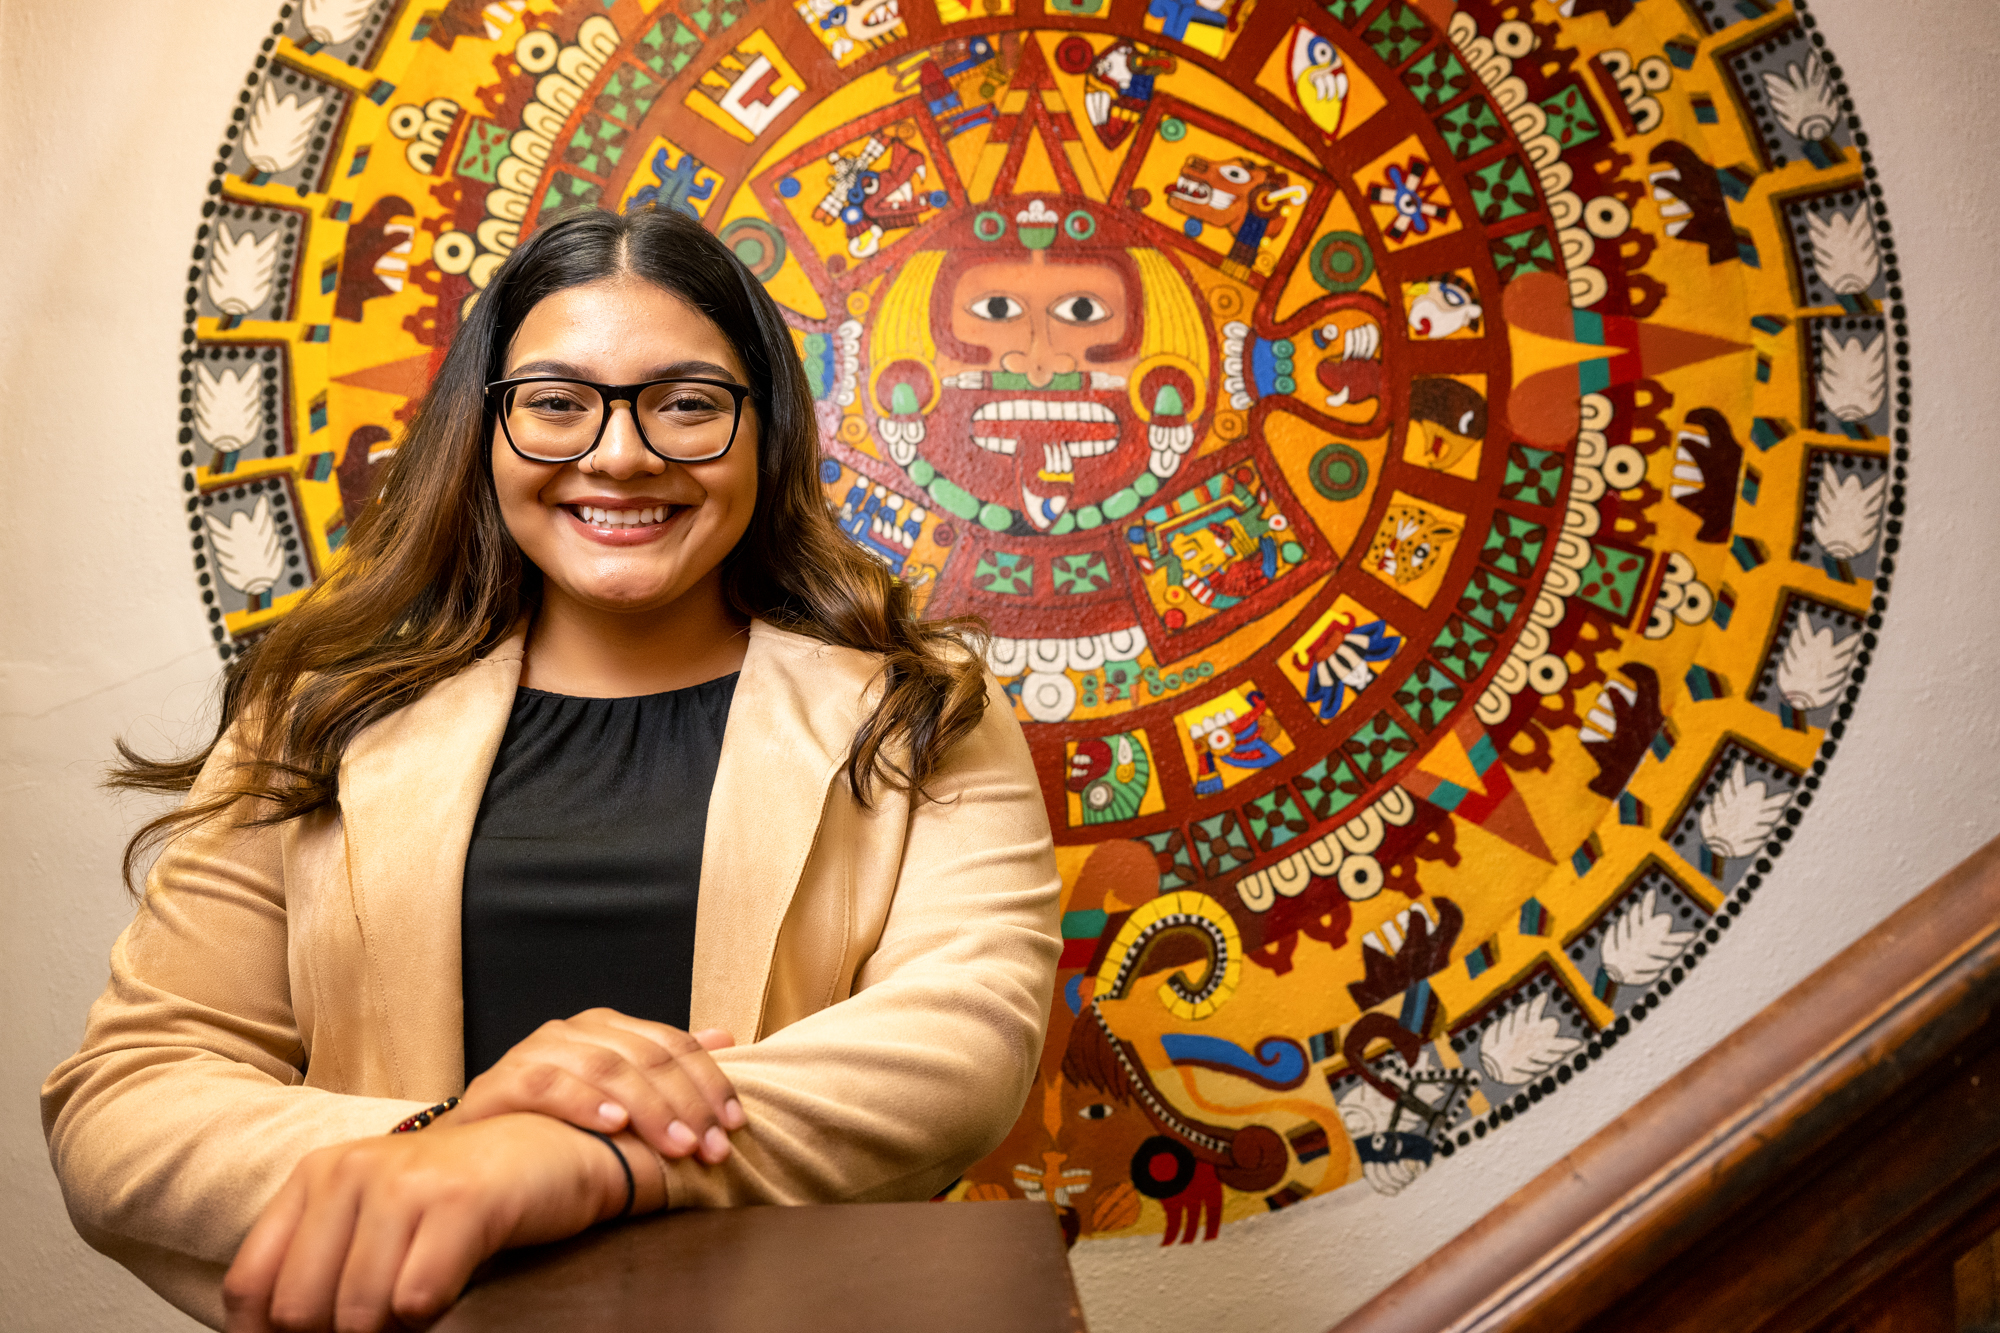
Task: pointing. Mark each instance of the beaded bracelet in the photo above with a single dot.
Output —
(425, 1116)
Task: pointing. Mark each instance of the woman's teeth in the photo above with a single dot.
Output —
(622, 518)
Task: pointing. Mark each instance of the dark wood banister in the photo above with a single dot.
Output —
(1818, 1169)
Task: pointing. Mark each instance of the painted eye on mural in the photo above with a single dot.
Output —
(1097, 1111)
(1081, 309)
(997, 308)
(1233, 173)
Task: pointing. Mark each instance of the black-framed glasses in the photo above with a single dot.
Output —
(547, 419)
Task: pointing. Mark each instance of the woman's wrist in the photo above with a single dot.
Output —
(649, 1172)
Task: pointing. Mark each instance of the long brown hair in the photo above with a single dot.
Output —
(431, 580)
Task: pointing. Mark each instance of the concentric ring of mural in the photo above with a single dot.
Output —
(1433, 471)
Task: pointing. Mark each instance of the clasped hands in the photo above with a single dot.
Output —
(387, 1230)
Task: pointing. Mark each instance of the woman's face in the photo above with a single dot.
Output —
(622, 529)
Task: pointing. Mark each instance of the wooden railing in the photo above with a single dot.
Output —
(1819, 1169)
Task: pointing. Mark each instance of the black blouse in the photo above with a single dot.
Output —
(585, 863)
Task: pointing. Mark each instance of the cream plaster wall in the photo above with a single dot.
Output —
(109, 112)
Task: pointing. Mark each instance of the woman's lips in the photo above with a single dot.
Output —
(623, 527)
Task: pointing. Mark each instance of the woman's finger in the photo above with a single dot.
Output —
(691, 1055)
(384, 1224)
(308, 1278)
(445, 1247)
(246, 1288)
(635, 1069)
(549, 1089)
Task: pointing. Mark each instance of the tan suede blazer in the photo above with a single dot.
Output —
(888, 970)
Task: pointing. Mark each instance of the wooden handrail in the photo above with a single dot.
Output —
(1817, 1169)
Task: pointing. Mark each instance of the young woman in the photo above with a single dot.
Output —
(604, 773)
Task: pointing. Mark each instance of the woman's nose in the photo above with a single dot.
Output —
(621, 453)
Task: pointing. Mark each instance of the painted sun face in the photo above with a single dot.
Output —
(1045, 424)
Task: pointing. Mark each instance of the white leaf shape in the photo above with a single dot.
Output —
(1814, 667)
(1740, 817)
(1853, 375)
(248, 554)
(227, 410)
(1804, 99)
(331, 22)
(241, 268)
(1642, 943)
(1843, 250)
(1847, 514)
(279, 130)
(1525, 1044)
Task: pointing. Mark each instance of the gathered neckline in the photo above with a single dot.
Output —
(625, 698)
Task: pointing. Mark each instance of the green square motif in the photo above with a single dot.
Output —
(1613, 578)
(1170, 849)
(1347, 11)
(486, 143)
(1571, 119)
(668, 46)
(1513, 545)
(1220, 844)
(596, 146)
(1379, 746)
(1462, 648)
(1470, 128)
(1490, 600)
(1078, 574)
(1437, 79)
(1274, 819)
(1503, 190)
(1429, 695)
(1534, 476)
(1398, 34)
(1004, 573)
(1328, 787)
(1524, 252)
(566, 191)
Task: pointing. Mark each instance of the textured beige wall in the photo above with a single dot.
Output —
(109, 114)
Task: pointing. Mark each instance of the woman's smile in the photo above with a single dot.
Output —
(624, 530)
(617, 520)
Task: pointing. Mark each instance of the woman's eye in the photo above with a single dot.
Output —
(1080, 310)
(687, 404)
(997, 308)
(554, 403)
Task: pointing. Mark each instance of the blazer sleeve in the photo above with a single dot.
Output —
(891, 1093)
(184, 1110)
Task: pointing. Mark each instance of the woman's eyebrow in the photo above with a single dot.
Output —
(671, 370)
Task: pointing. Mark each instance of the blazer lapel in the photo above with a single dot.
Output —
(410, 787)
(797, 705)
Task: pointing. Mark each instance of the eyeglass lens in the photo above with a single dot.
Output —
(559, 419)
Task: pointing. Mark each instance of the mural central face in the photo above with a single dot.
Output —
(1430, 470)
(1036, 352)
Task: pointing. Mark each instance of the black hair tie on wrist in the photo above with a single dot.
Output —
(631, 1185)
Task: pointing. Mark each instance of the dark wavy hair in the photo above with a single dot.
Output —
(430, 579)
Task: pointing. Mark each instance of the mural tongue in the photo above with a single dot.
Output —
(1431, 471)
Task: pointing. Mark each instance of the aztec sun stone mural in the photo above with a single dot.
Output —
(1432, 472)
